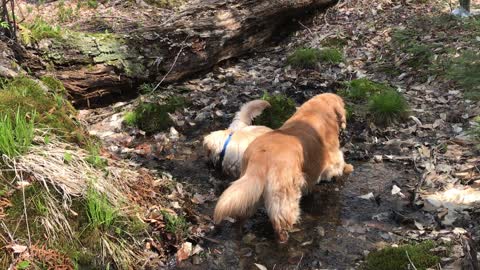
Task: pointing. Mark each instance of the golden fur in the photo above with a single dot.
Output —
(282, 164)
(243, 135)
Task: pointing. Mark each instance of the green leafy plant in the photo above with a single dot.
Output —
(387, 107)
(280, 110)
(175, 224)
(16, 135)
(304, 58)
(38, 30)
(391, 258)
(94, 157)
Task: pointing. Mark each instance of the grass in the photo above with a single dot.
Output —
(23, 95)
(37, 30)
(391, 258)
(309, 57)
(16, 135)
(465, 71)
(94, 157)
(102, 215)
(387, 107)
(281, 109)
(153, 117)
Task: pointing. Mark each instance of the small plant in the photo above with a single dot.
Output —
(153, 117)
(309, 57)
(175, 224)
(331, 55)
(38, 30)
(391, 258)
(420, 55)
(94, 157)
(64, 14)
(101, 214)
(146, 88)
(130, 119)
(387, 106)
(363, 88)
(280, 110)
(304, 58)
(465, 71)
(16, 135)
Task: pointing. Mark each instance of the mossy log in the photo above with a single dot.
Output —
(194, 40)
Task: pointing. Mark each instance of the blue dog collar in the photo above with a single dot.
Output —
(224, 149)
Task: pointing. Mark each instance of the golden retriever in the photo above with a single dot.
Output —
(281, 164)
(225, 148)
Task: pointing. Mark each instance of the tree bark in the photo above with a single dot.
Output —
(200, 36)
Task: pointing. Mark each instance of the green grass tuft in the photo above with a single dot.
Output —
(391, 258)
(465, 71)
(387, 107)
(281, 109)
(309, 57)
(153, 117)
(16, 135)
(94, 157)
(53, 112)
(130, 118)
(331, 56)
(101, 214)
(363, 88)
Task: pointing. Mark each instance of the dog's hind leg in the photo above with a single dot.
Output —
(282, 201)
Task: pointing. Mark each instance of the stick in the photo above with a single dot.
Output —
(411, 263)
(174, 62)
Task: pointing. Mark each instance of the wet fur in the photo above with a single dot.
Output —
(281, 165)
(243, 134)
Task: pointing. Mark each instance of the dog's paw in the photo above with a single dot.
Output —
(348, 169)
(282, 237)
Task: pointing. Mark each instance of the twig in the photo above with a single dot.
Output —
(298, 264)
(5, 228)
(411, 263)
(26, 216)
(173, 65)
(212, 240)
(308, 29)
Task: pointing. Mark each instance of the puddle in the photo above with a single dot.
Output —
(336, 230)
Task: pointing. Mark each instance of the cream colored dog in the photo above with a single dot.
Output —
(279, 165)
(225, 148)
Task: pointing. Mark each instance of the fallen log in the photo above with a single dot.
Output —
(194, 40)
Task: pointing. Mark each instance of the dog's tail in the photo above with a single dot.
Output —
(250, 110)
(239, 199)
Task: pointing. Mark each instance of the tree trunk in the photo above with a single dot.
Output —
(202, 35)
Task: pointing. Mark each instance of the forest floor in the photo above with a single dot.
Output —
(415, 181)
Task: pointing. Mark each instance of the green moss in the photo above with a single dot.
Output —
(25, 95)
(153, 117)
(53, 84)
(396, 258)
(280, 110)
(387, 107)
(465, 71)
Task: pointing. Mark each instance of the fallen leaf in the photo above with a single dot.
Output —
(368, 196)
(261, 267)
(184, 252)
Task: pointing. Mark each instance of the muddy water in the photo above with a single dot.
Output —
(336, 231)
